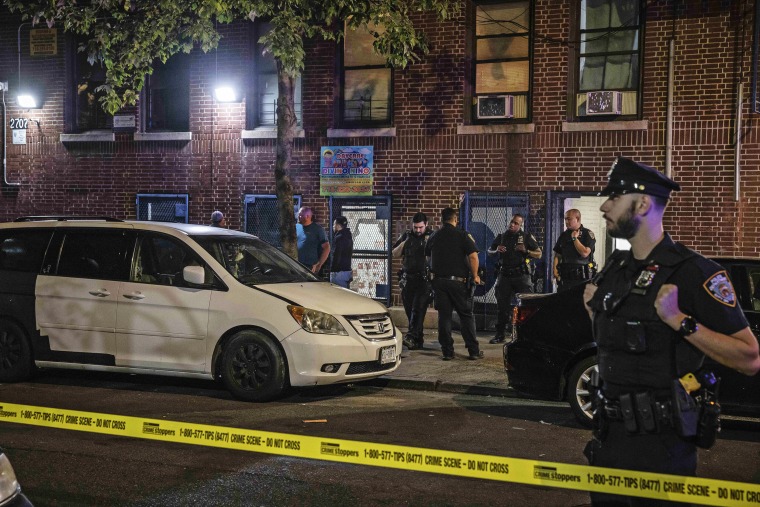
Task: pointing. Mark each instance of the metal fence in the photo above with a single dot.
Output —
(162, 207)
(261, 216)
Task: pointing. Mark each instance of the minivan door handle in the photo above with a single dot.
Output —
(101, 293)
(135, 296)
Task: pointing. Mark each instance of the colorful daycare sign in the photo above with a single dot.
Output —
(346, 170)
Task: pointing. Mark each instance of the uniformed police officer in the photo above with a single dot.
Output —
(574, 253)
(415, 289)
(454, 265)
(656, 311)
(515, 249)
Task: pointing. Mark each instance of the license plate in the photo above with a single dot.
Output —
(388, 355)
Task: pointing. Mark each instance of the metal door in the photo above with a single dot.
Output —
(261, 216)
(485, 215)
(369, 219)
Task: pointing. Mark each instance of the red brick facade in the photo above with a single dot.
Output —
(429, 162)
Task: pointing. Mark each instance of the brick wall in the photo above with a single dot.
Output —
(427, 164)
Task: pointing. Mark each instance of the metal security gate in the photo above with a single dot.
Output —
(261, 216)
(485, 215)
(369, 219)
(162, 207)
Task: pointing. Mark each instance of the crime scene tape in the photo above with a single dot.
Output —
(695, 490)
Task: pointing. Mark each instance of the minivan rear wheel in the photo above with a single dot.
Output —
(578, 394)
(253, 367)
(15, 353)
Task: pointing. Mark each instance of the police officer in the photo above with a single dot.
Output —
(454, 265)
(574, 253)
(656, 311)
(415, 288)
(515, 249)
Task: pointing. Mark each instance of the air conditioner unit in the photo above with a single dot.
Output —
(604, 102)
(496, 106)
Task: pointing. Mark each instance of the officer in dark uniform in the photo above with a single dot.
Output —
(515, 249)
(656, 311)
(574, 253)
(414, 283)
(454, 265)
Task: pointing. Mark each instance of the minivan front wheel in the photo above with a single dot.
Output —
(578, 393)
(253, 367)
(15, 353)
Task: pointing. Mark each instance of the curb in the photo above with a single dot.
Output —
(443, 387)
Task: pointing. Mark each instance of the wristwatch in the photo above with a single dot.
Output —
(574, 239)
(688, 326)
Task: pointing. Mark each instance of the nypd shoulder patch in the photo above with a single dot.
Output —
(721, 289)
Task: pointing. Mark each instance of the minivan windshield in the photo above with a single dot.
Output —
(253, 261)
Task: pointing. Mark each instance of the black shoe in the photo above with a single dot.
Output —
(476, 355)
(409, 343)
(447, 357)
(497, 339)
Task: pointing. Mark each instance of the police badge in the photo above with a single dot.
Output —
(720, 288)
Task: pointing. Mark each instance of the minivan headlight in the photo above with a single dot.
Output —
(315, 321)
(8, 484)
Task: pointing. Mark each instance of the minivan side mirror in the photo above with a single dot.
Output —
(194, 274)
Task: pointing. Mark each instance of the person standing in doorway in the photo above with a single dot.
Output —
(454, 264)
(217, 219)
(574, 253)
(414, 283)
(515, 249)
(656, 311)
(341, 272)
(313, 247)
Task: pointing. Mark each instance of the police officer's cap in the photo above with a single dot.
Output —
(629, 177)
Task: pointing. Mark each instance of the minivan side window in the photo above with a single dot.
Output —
(99, 253)
(160, 260)
(23, 250)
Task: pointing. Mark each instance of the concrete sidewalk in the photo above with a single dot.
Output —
(425, 370)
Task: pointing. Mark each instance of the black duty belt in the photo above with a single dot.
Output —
(646, 414)
(455, 278)
(513, 271)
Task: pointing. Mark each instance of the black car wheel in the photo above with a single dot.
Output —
(578, 394)
(15, 354)
(253, 367)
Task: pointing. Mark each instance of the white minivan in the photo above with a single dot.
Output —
(182, 300)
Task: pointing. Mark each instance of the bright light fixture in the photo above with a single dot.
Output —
(27, 101)
(225, 94)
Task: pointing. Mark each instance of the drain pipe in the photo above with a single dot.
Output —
(4, 87)
(738, 142)
(669, 120)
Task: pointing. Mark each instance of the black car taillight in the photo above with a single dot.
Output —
(520, 315)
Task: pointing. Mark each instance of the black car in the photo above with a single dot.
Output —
(552, 351)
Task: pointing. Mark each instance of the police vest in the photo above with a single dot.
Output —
(512, 258)
(414, 253)
(636, 350)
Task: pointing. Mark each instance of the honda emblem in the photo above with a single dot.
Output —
(381, 327)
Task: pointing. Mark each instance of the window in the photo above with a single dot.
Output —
(609, 58)
(261, 108)
(95, 254)
(366, 81)
(166, 100)
(501, 73)
(161, 260)
(87, 78)
(262, 216)
(22, 250)
(162, 207)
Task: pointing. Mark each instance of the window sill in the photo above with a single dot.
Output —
(363, 132)
(163, 136)
(512, 128)
(89, 137)
(590, 126)
(267, 133)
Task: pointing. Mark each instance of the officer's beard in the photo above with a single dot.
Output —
(627, 225)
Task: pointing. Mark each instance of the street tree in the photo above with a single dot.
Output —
(129, 36)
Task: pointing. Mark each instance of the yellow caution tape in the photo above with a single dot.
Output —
(695, 490)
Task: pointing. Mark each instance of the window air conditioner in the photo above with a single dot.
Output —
(604, 102)
(496, 106)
